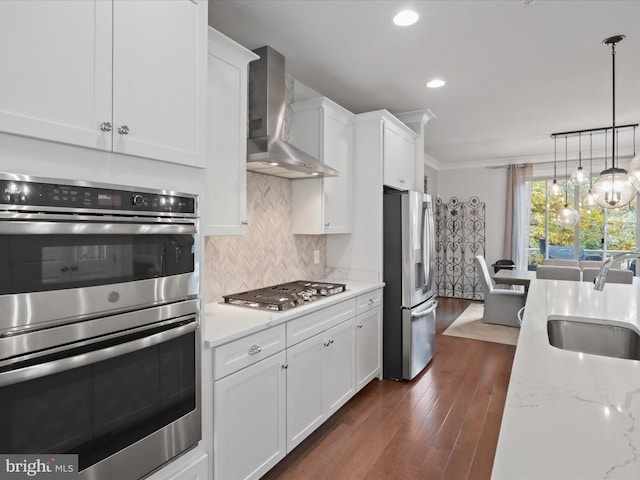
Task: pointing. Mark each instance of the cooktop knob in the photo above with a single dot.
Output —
(138, 200)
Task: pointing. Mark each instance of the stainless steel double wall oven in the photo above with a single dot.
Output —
(99, 324)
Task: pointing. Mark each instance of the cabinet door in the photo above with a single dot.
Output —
(198, 469)
(56, 70)
(159, 75)
(323, 129)
(368, 346)
(337, 191)
(339, 380)
(304, 389)
(249, 420)
(223, 211)
(398, 158)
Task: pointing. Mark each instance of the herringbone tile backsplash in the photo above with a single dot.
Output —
(268, 253)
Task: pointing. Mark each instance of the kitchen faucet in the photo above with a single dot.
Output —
(604, 270)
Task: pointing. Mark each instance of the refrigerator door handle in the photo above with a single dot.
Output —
(427, 311)
(426, 266)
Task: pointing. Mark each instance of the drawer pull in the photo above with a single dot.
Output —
(359, 325)
(285, 366)
(255, 349)
(370, 301)
(327, 343)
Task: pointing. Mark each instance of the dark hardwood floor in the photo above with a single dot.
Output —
(444, 424)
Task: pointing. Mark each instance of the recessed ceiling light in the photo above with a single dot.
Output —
(435, 83)
(406, 18)
(274, 164)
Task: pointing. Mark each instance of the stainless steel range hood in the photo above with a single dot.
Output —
(267, 152)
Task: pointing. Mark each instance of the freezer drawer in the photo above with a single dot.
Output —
(418, 338)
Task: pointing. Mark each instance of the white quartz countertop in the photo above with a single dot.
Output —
(224, 323)
(570, 415)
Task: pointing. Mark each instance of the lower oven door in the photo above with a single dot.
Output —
(125, 402)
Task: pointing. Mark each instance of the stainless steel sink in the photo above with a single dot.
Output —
(595, 338)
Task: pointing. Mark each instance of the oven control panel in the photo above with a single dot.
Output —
(84, 197)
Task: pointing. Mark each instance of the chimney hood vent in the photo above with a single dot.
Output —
(267, 152)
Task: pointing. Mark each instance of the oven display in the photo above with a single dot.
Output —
(109, 200)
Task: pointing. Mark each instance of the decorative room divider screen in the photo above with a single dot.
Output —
(460, 236)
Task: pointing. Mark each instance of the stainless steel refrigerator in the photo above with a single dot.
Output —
(409, 311)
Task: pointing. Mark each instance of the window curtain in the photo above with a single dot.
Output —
(516, 232)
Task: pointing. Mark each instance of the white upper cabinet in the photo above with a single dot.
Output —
(399, 155)
(120, 76)
(159, 79)
(323, 129)
(56, 70)
(223, 210)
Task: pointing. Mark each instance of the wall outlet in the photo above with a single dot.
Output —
(316, 256)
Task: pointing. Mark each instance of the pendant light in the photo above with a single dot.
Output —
(567, 216)
(555, 189)
(579, 176)
(613, 189)
(589, 200)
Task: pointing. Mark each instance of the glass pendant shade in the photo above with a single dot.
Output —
(580, 177)
(613, 188)
(589, 200)
(567, 216)
(555, 190)
(634, 172)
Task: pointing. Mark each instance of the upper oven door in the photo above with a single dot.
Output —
(54, 270)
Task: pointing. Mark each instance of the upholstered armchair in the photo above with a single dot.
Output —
(500, 306)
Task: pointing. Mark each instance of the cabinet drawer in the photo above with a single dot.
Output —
(246, 351)
(306, 327)
(369, 300)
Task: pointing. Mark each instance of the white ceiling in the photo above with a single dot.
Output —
(515, 73)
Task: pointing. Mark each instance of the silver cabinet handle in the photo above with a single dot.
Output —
(245, 222)
(327, 343)
(105, 126)
(359, 325)
(254, 349)
(123, 130)
(327, 224)
(402, 180)
(285, 366)
(331, 341)
(370, 302)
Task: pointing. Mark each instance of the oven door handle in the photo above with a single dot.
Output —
(98, 228)
(56, 366)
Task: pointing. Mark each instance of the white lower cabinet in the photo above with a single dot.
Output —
(273, 388)
(320, 379)
(305, 411)
(196, 470)
(338, 362)
(249, 420)
(368, 341)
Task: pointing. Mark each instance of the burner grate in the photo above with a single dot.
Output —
(284, 296)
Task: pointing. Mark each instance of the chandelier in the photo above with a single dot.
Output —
(614, 187)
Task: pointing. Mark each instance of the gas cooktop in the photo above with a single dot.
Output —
(284, 296)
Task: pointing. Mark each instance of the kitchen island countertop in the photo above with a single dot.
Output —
(224, 323)
(571, 415)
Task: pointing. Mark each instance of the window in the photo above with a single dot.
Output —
(598, 234)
